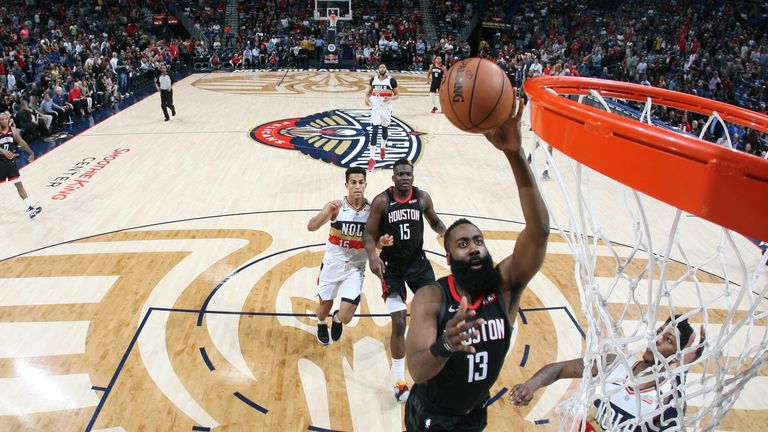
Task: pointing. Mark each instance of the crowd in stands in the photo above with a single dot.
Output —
(706, 48)
(66, 61)
(285, 33)
(75, 57)
(452, 16)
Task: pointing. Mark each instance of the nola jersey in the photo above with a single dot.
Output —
(8, 143)
(404, 221)
(382, 88)
(622, 405)
(345, 241)
(464, 382)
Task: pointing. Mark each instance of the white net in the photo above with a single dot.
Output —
(639, 262)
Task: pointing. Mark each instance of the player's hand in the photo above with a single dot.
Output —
(521, 395)
(507, 136)
(385, 241)
(367, 101)
(6, 154)
(31, 157)
(698, 352)
(462, 328)
(332, 207)
(377, 266)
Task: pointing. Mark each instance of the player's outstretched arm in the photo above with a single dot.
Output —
(371, 234)
(522, 394)
(329, 212)
(426, 356)
(531, 244)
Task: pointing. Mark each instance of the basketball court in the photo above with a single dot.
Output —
(168, 283)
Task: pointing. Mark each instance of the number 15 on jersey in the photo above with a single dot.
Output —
(405, 232)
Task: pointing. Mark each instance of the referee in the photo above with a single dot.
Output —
(163, 83)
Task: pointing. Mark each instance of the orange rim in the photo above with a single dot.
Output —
(729, 188)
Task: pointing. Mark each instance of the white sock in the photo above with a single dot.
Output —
(27, 203)
(336, 318)
(434, 99)
(321, 322)
(398, 368)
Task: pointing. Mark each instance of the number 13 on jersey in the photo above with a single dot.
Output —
(477, 369)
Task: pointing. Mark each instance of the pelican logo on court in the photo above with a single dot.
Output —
(339, 137)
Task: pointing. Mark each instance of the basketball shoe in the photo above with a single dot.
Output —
(371, 164)
(33, 211)
(322, 333)
(336, 328)
(401, 391)
(434, 110)
(382, 151)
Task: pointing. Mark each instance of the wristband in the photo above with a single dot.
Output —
(441, 348)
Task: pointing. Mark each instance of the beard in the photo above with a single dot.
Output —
(477, 283)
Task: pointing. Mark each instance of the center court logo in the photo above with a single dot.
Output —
(340, 137)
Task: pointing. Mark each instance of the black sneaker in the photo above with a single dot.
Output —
(33, 211)
(336, 328)
(322, 334)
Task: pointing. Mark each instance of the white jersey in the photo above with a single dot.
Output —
(345, 240)
(622, 404)
(382, 88)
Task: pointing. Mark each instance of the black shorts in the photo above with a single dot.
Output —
(416, 275)
(8, 170)
(419, 419)
(434, 87)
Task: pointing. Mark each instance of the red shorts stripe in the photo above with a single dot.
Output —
(349, 244)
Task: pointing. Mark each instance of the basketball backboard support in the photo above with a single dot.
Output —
(325, 8)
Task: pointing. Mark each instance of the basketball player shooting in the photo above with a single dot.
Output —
(461, 325)
(622, 407)
(382, 90)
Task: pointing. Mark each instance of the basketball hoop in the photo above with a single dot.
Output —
(605, 142)
(333, 18)
(664, 263)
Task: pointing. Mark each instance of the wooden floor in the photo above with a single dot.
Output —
(169, 282)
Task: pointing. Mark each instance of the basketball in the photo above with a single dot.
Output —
(476, 95)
